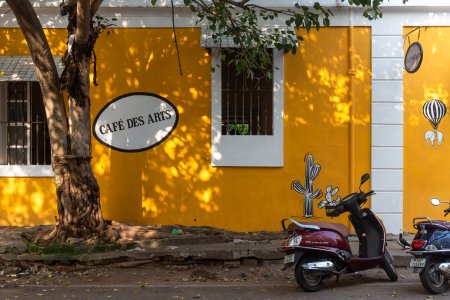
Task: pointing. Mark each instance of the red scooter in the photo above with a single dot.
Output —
(319, 250)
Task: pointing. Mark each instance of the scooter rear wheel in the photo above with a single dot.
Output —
(388, 266)
(430, 278)
(306, 279)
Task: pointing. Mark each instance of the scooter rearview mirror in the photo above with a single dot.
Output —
(435, 201)
(364, 178)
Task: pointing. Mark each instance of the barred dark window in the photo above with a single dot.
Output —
(24, 134)
(247, 104)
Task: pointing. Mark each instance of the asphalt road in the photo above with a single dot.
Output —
(372, 290)
(201, 282)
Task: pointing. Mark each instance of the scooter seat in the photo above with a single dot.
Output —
(341, 228)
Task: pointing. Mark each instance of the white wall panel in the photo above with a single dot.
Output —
(387, 135)
(387, 113)
(387, 157)
(387, 91)
(392, 222)
(387, 180)
(387, 68)
(387, 202)
(387, 46)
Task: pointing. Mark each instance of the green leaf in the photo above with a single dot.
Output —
(154, 2)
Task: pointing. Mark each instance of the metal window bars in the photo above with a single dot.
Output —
(25, 126)
(247, 104)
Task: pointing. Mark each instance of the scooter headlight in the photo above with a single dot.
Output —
(295, 241)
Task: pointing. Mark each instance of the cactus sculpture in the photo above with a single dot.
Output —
(312, 171)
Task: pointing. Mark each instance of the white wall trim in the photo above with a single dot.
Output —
(26, 171)
(246, 151)
(147, 16)
(268, 3)
(387, 121)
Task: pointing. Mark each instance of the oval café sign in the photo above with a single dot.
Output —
(135, 122)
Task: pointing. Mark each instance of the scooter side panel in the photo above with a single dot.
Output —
(440, 239)
(371, 233)
(324, 239)
(359, 264)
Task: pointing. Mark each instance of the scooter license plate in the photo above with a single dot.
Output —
(417, 262)
(289, 259)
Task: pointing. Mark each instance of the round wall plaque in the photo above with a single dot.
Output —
(135, 122)
(413, 57)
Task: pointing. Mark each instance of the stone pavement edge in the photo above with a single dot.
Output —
(177, 244)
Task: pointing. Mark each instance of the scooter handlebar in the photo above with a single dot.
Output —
(368, 194)
(446, 211)
(334, 210)
(363, 197)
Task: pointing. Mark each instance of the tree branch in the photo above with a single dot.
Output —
(241, 4)
(83, 22)
(95, 5)
(46, 72)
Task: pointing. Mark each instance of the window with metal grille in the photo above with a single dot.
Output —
(24, 134)
(247, 104)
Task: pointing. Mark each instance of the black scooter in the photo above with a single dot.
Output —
(431, 248)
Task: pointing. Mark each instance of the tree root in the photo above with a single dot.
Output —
(45, 235)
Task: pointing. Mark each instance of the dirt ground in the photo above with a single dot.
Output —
(150, 274)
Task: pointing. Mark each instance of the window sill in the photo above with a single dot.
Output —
(26, 171)
(248, 151)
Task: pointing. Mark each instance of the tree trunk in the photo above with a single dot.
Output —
(79, 211)
(78, 196)
(77, 190)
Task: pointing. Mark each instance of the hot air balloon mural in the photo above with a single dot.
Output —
(434, 110)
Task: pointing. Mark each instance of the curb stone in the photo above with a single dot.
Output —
(180, 248)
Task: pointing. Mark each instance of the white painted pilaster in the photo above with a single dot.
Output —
(387, 124)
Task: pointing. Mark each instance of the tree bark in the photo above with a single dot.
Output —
(77, 190)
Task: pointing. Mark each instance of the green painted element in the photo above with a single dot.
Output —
(176, 232)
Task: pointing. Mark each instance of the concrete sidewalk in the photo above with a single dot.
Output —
(192, 246)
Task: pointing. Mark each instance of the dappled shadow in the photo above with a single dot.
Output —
(28, 201)
(171, 181)
(327, 109)
(426, 167)
(174, 183)
(25, 201)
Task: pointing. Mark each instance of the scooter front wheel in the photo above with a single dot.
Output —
(388, 266)
(308, 280)
(431, 279)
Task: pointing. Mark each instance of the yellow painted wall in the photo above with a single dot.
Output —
(426, 167)
(27, 201)
(174, 182)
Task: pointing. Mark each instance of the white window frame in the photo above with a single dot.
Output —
(19, 170)
(247, 150)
